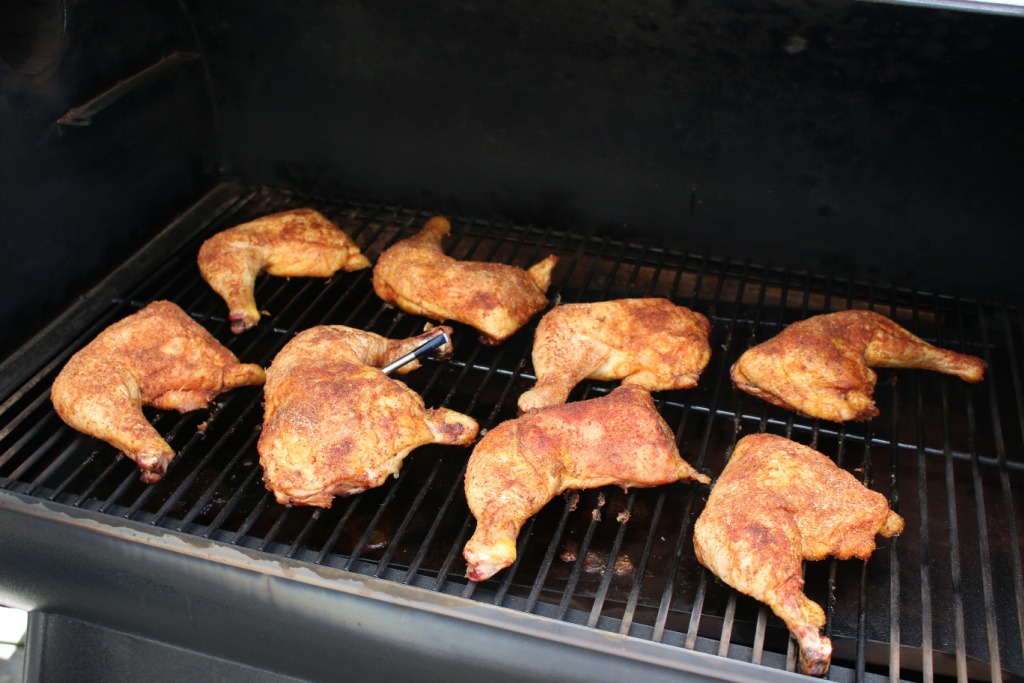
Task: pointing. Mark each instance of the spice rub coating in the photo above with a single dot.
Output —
(648, 342)
(776, 504)
(296, 243)
(820, 367)
(496, 299)
(521, 464)
(335, 425)
(157, 357)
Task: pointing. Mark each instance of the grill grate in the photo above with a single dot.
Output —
(945, 599)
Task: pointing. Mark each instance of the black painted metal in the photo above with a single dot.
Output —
(77, 200)
(949, 456)
(808, 132)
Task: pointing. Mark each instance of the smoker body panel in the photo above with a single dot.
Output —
(281, 616)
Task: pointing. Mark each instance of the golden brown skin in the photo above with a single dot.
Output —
(819, 366)
(296, 243)
(497, 299)
(335, 425)
(648, 342)
(158, 357)
(522, 464)
(776, 504)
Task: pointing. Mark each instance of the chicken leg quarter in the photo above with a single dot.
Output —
(522, 464)
(819, 366)
(296, 243)
(648, 342)
(776, 504)
(497, 299)
(158, 357)
(334, 424)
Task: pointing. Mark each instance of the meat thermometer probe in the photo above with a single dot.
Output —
(421, 350)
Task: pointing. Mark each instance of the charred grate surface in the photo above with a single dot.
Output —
(942, 602)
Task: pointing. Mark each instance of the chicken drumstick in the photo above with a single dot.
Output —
(522, 464)
(776, 504)
(158, 357)
(648, 342)
(819, 366)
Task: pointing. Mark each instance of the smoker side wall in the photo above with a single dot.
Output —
(856, 138)
(76, 201)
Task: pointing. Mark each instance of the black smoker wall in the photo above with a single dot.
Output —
(851, 137)
(848, 137)
(76, 199)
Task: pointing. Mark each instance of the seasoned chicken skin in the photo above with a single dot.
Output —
(496, 299)
(296, 243)
(819, 366)
(158, 357)
(776, 504)
(522, 464)
(648, 342)
(335, 425)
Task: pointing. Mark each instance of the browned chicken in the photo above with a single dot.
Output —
(496, 299)
(296, 243)
(648, 342)
(335, 425)
(819, 366)
(776, 504)
(158, 357)
(522, 464)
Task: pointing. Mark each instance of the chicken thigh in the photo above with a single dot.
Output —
(819, 366)
(522, 464)
(158, 357)
(496, 299)
(296, 243)
(776, 504)
(648, 342)
(335, 425)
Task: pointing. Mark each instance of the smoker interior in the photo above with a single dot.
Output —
(758, 164)
(943, 599)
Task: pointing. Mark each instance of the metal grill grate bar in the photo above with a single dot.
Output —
(1004, 477)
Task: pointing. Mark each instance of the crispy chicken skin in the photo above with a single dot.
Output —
(776, 504)
(159, 357)
(522, 464)
(819, 366)
(296, 243)
(648, 342)
(496, 299)
(335, 425)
